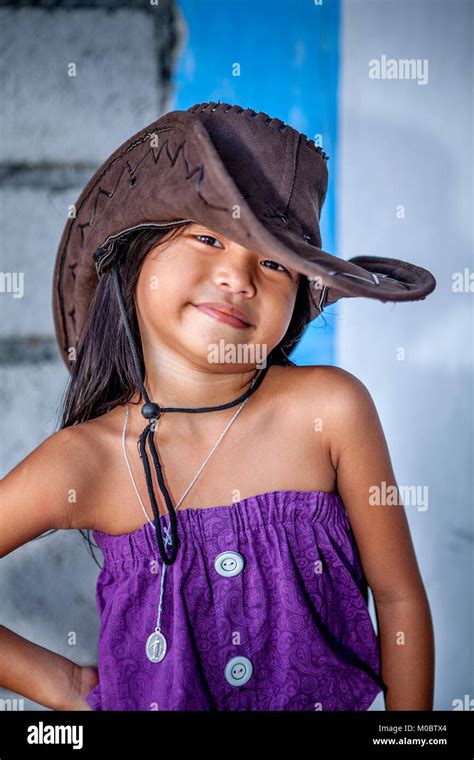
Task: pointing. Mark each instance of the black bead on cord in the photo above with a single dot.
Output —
(150, 410)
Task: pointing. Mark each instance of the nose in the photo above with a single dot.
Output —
(236, 275)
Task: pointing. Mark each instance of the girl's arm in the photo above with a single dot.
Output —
(41, 675)
(361, 458)
(34, 499)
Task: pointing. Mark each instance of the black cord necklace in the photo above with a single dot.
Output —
(152, 411)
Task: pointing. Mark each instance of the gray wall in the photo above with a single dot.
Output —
(405, 143)
(55, 131)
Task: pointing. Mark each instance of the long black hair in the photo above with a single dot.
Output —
(103, 375)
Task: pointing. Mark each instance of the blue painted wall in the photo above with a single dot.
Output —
(288, 53)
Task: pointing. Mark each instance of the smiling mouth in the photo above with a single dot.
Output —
(221, 317)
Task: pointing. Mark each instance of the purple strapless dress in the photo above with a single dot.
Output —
(264, 609)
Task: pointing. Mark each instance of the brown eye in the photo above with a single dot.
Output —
(277, 264)
(208, 237)
(204, 238)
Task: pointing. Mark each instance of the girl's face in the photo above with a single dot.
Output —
(197, 267)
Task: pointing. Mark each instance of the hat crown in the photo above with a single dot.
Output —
(260, 117)
(281, 173)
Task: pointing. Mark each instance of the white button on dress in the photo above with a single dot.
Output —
(238, 670)
(229, 564)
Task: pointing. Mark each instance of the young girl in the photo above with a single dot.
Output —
(230, 492)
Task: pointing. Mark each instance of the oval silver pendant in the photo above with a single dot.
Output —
(156, 646)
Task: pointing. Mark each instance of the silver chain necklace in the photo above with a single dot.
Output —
(156, 644)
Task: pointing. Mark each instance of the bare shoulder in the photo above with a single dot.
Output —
(334, 380)
(92, 444)
(41, 492)
(71, 459)
(333, 386)
(364, 473)
(350, 409)
(338, 398)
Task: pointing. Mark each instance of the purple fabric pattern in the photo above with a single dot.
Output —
(296, 609)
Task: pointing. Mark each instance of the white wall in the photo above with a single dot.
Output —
(401, 142)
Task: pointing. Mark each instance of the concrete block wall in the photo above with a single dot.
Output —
(55, 131)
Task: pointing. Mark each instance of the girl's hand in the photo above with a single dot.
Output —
(84, 679)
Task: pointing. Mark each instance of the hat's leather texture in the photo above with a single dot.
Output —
(243, 174)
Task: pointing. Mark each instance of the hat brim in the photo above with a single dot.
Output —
(380, 278)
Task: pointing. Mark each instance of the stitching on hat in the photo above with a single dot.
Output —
(198, 169)
(72, 315)
(375, 278)
(290, 222)
(265, 119)
(72, 268)
(281, 215)
(296, 231)
(295, 165)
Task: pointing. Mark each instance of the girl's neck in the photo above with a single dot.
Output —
(199, 390)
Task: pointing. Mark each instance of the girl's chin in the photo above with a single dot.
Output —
(213, 347)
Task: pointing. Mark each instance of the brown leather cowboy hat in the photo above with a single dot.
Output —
(244, 174)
